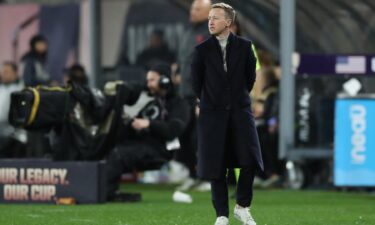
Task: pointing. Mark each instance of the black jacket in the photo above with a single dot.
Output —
(216, 88)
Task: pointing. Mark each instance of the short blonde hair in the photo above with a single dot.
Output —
(229, 11)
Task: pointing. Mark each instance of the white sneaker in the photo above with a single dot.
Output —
(257, 182)
(270, 181)
(243, 215)
(186, 185)
(222, 220)
(203, 186)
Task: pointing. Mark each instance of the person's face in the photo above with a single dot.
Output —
(153, 82)
(8, 74)
(41, 47)
(217, 21)
(155, 41)
(199, 11)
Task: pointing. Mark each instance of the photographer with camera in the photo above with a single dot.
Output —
(83, 130)
(81, 122)
(144, 141)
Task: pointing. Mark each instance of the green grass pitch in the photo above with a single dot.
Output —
(271, 207)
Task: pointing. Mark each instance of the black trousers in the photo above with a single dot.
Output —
(244, 195)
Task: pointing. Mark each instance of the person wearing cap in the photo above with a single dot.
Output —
(147, 138)
(223, 72)
(33, 63)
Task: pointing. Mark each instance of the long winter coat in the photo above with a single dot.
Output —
(227, 136)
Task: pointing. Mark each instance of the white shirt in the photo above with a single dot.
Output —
(223, 44)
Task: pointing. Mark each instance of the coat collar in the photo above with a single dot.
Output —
(231, 56)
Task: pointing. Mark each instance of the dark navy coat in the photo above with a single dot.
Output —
(227, 136)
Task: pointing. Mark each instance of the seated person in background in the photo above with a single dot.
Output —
(156, 52)
(11, 141)
(145, 139)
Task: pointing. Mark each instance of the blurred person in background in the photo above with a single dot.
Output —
(12, 142)
(33, 70)
(34, 63)
(156, 52)
(267, 126)
(266, 61)
(195, 35)
(148, 138)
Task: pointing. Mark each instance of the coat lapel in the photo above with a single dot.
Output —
(216, 57)
(232, 57)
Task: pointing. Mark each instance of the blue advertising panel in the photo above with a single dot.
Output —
(354, 157)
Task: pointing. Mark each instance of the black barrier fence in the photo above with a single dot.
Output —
(314, 107)
(45, 181)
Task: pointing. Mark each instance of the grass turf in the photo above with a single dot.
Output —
(271, 207)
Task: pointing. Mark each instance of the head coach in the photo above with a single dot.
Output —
(223, 72)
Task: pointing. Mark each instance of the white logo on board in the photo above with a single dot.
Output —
(358, 140)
